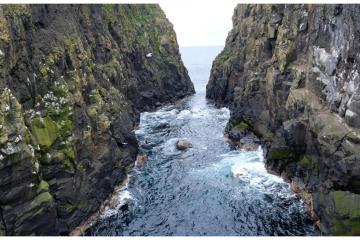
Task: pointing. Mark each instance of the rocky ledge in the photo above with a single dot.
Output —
(290, 74)
(73, 81)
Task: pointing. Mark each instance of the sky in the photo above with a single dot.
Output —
(199, 22)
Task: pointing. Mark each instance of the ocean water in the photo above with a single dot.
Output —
(212, 189)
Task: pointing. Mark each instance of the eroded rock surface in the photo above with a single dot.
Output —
(73, 81)
(290, 74)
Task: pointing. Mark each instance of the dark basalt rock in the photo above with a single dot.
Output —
(73, 81)
(290, 74)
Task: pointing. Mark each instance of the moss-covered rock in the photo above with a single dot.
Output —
(43, 186)
(286, 71)
(309, 163)
(45, 130)
(42, 200)
(242, 126)
(347, 206)
(347, 203)
(73, 103)
(279, 154)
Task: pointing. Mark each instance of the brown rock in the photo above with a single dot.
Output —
(140, 159)
(182, 145)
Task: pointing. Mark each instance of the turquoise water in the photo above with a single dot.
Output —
(210, 189)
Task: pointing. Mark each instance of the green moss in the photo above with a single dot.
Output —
(347, 204)
(222, 57)
(346, 227)
(3, 135)
(43, 69)
(17, 8)
(58, 156)
(97, 104)
(136, 22)
(104, 122)
(279, 154)
(66, 209)
(107, 6)
(43, 187)
(80, 167)
(70, 42)
(108, 13)
(45, 131)
(95, 97)
(112, 68)
(284, 54)
(68, 165)
(92, 111)
(4, 29)
(70, 207)
(44, 198)
(242, 126)
(307, 162)
(58, 108)
(84, 8)
(70, 152)
(55, 55)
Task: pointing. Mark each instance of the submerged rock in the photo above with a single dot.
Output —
(183, 145)
(140, 159)
(162, 126)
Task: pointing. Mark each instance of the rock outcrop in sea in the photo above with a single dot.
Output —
(290, 74)
(73, 81)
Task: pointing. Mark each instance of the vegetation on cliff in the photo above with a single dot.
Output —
(74, 79)
(293, 73)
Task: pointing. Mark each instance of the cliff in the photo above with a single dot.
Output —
(290, 74)
(73, 81)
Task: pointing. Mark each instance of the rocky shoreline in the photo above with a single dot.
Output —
(75, 79)
(289, 74)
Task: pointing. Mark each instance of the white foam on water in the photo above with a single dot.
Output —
(169, 146)
(122, 196)
(122, 199)
(184, 114)
(247, 166)
(253, 168)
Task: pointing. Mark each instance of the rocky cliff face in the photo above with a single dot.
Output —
(73, 80)
(290, 74)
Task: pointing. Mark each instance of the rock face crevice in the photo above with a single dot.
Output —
(73, 81)
(290, 74)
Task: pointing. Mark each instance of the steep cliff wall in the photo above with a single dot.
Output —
(290, 74)
(73, 80)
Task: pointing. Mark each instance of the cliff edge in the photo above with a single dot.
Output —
(73, 81)
(290, 74)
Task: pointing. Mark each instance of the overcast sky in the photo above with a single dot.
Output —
(200, 23)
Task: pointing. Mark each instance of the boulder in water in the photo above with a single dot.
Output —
(162, 125)
(183, 145)
(140, 159)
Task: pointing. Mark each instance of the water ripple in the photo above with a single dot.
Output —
(210, 189)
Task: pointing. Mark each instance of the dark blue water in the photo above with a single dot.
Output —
(210, 189)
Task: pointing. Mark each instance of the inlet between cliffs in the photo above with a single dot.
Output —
(213, 188)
